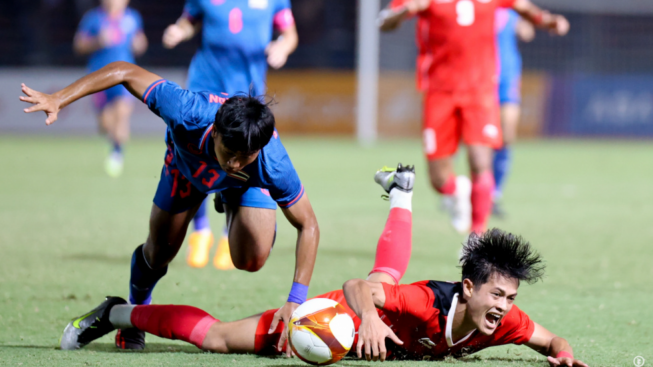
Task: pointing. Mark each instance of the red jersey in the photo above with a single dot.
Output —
(419, 314)
(456, 42)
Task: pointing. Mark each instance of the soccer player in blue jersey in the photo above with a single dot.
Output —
(215, 145)
(236, 49)
(510, 27)
(108, 33)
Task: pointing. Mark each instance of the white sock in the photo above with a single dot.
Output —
(401, 199)
(120, 316)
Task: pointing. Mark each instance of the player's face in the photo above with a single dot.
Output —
(490, 302)
(230, 161)
(115, 6)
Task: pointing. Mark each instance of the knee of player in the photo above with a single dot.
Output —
(250, 263)
(216, 344)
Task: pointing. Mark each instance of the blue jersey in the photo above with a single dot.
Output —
(509, 57)
(121, 31)
(235, 34)
(190, 116)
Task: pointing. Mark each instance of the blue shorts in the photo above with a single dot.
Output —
(175, 194)
(103, 98)
(510, 88)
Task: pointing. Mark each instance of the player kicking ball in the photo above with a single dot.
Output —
(422, 320)
(215, 145)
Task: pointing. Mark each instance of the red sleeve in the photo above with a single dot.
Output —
(515, 328)
(394, 4)
(506, 3)
(414, 300)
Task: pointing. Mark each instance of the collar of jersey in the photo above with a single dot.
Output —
(206, 144)
(448, 332)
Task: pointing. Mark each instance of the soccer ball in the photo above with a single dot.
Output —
(320, 331)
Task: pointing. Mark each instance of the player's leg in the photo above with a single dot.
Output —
(251, 223)
(481, 133)
(115, 121)
(201, 240)
(175, 322)
(395, 244)
(442, 130)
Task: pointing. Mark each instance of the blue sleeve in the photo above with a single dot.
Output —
(193, 10)
(279, 175)
(90, 25)
(181, 109)
(280, 5)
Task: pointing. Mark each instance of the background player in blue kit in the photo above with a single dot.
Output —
(108, 33)
(236, 48)
(215, 145)
(509, 27)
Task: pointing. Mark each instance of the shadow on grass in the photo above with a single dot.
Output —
(150, 348)
(23, 346)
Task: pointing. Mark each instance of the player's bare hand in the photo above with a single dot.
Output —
(416, 6)
(277, 53)
(371, 336)
(173, 35)
(47, 103)
(564, 361)
(283, 314)
(105, 38)
(560, 25)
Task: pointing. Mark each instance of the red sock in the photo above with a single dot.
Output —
(449, 186)
(482, 187)
(186, 323)
(394, 246)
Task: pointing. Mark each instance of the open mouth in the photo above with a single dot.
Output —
(492, 319)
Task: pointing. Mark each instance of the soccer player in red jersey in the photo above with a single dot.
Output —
(423, 320)
(457, 71)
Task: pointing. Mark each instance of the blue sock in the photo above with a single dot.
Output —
(116, 147)
(201, 219)
(143, 279)
(501, 165)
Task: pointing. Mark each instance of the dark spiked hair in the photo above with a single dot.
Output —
(498, 252)
(245, 123)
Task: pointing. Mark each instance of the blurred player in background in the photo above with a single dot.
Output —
(236, 48)
(510, 27)
(108, 33)
(456, 70)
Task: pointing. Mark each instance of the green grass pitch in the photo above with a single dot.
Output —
(67, 232)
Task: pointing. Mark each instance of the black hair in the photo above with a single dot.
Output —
(245, 123)
(499, 252)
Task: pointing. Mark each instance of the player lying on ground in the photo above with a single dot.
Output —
(215, 145)
(423, 320)
(456, 70)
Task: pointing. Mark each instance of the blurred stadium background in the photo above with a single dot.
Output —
(597, 81)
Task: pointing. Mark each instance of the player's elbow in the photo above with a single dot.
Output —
(352, 284)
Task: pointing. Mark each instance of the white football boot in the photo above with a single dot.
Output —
(459, 205)
(401, 178)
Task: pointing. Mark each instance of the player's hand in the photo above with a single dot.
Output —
(416, 6)
(560, 25)
(105, 38)
(173, 35)
(277, 54)
(564, 361)
(48, 103)
(371, 335)
(283, 314)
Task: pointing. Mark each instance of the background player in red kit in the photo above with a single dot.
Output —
(457, 71)
(427, 319)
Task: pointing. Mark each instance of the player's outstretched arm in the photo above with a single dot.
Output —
(364, 297)
(392, 17)
(279, 50)
(557, 349)
(302, 217)
(134, 78)
(555, 23)
(181, 31)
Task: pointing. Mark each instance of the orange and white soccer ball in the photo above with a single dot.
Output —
(320, 331)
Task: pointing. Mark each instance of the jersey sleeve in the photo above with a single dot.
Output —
(516, 328)
(279, 175)
(178, 107)
(283, 17)
(89, 26)
(409, 300)
(506, 3)
(193, 11)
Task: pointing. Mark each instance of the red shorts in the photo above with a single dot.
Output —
(449, 116)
